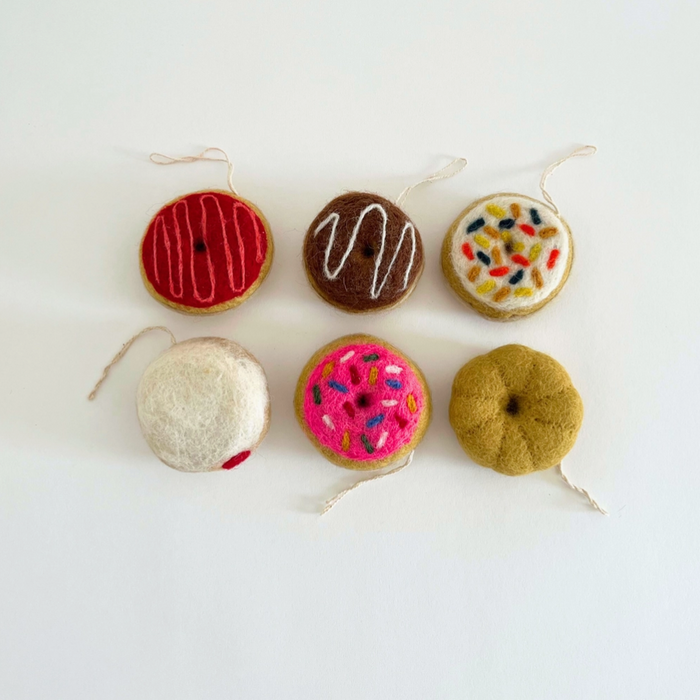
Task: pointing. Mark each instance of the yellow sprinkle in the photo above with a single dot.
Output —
(495, 210)
(491, 231)
(501, 294)
(486, 287)
(373, 374)
(496, 254)
(523, 292)
(518, 247)
(473, 273)
(411, 402)
(346, 441)
(327, 369)
(534, 252)
(505, 235)
(482, 240)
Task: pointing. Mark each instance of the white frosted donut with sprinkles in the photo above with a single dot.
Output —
(362, 403)
(507, 255)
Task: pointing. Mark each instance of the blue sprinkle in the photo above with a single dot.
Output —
(375, 421)
(506, 223)
(484, 258)
(475, 225)
(394, 384)
(535, 216)
(517, 277)
(340, 387)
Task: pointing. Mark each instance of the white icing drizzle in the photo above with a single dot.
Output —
(374, 291)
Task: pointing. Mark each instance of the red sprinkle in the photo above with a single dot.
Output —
(349, 409)
(499, 271)
(354, 375)
(521, 260)
(401, 421)
(467, 250)
(526, 228)
(552, 258)
(236, 460)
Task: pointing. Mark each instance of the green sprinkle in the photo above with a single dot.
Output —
(367, 444)
(370, 358)
(317, 394)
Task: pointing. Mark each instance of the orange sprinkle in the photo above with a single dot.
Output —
(496, 255)
(491, 231)
(473, 273)
(515, 210)
(411, 403)
(373, 374)
(548, 232)
(501, 294)
(537, 276)
(346, 441)
(327, 369)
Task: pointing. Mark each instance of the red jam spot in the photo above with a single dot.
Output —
(236, 460)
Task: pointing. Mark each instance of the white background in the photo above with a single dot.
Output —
(121, 578)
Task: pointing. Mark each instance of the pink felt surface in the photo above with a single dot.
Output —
(357, 417)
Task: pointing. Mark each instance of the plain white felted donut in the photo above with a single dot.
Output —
(203, 405)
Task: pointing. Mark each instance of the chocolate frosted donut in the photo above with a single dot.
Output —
(362, 253)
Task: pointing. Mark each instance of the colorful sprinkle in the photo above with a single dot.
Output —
(382, 440)
(393, 369)
(372, 422)
(389, 402)
(548, 232)
(473, 273)
(482, 241)
(403, 422)
(496, 255)
(370, 358)
(484, 258)
(317, 394)
(349, 409)
(337, 386)
(518, 247)
(506, 223)
(537, 276)
(515, 210)
(485, 287)
(354, 375)
(347, 356)
(520, 260)
(373, 374)
(393, 383)
(552, 259)
(495, 210)
(527, 229)
(346, 441)
(327, 369)
(367, 444)
(501, 294)
(499, 271)
(535, 252)
(467, 250)
(505, 236)
(491, 231)
(411, 403)
(329, 422)
(475, 225)
(523, 292)
(535, 216)
(517, 277)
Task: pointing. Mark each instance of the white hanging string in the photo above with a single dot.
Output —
(590, 498)
(333, 501)
(161, 159)
(123, 352)
(456, 166)
(582, 151)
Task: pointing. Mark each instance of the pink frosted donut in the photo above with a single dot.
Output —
(362, 402)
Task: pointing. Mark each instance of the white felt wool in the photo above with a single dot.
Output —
(203, 405)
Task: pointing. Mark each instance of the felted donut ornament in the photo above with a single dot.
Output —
(516, 411)
(363, 253)
(203, 405)
(508, 255)
(207, 251)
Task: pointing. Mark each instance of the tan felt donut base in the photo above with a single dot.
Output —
(484, 309)
(329, 454)
(218, 308)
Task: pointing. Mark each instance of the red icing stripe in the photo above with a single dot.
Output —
(204, 249)
(520, 260)
(236, 460)
(552, 258)
(467, 250)
(499, 271)
(526, 228)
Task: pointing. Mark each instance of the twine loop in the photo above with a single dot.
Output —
(161, 159)
(450, 170)
(582, 151)
(590, 498)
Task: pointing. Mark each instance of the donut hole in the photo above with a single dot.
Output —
(365, 401)
(199, 245)
(513, 406)
(368, 250)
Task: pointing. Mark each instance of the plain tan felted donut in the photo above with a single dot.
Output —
(515, 410)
